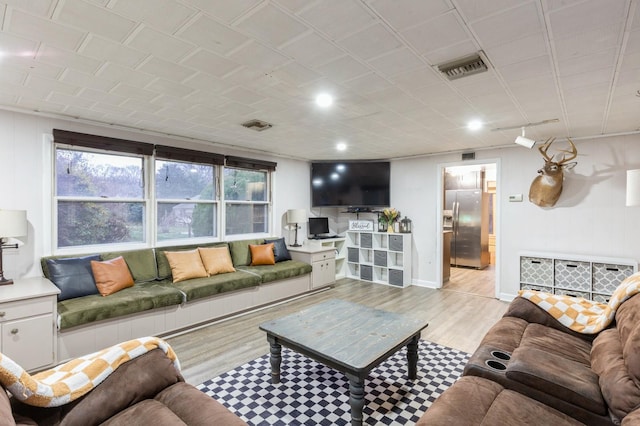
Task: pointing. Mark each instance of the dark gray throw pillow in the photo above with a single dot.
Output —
(73, 276)
(280, 251)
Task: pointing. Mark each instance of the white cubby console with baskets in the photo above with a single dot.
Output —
(380, 257)
(591, 277)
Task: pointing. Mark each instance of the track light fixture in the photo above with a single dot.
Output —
(526, 142)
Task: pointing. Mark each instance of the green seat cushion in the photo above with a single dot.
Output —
(197, 288)
(140, 297)
(141, 263)
(279, 271)
(240, 254)
(164, 269)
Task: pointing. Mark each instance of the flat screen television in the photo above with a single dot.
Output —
(351, 184)
(318, 226)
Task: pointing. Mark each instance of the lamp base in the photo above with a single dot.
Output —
(4, 281)
(296, 245)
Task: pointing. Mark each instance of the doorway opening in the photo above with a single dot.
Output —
(469, 228)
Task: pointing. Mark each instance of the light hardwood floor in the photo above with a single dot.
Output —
(481, 282)
(456, 319)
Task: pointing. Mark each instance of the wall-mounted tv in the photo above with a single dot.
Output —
(351, 184)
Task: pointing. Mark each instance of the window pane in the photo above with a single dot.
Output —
(245, 218)
(186, 220)
(89, 174)
(245, 185)
(187, 181)
(87, 223)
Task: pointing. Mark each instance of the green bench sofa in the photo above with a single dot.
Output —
(155, 305)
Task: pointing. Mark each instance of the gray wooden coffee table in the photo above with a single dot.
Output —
(347, 337)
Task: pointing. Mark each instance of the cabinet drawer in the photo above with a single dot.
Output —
(573, 275)
(324, 255)
(25, 308)
(536, 270)
(607, 277)
(29, 341)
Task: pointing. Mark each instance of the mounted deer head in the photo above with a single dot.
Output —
(547, 187)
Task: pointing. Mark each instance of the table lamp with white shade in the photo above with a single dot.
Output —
(13, 223)
(294, 217)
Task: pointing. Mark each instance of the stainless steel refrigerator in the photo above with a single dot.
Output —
(469, 221)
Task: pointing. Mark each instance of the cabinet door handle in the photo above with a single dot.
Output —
(14, 331)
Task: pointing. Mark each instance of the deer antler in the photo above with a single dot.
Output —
(545, 147)
(573, 152)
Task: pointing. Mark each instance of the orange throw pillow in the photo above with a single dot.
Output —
(185, 265)
(217, 260)
(111, 275)
(262, 254)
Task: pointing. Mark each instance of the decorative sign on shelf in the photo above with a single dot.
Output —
(360, 225)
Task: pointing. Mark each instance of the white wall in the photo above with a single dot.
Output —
(25, 181)
(590, 217)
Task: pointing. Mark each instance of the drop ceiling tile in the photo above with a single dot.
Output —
(35, 28)
(368, 83)
(210, 63)
(11, 45)
(41, 8)
(116, 111)
(582, 64)
(243, 96)
(342, 69)
(373, 41)
(589, 41)
(44, 84)
(451, 52)
(165, 69)
(235, 109)
(107, 50)
(134, 92)
(587, 79)
(444, 30)
(34, 67)
(64, 58)
(584, 16)
(170, 88)
(396, 62)
(102, 97)
(346, 17)
(160, 44)
(213, 36)
(163, 15)
(224, 10)
(202, 81)
(10, 75)
(271, 25)
(294, 6)
(535, 67)
(140, 105)
(118, 73)
(72, 101)
(511, 24)
(406, 13)
(420, 77)
(632, 46)
(474, 10)
(295, 74)
(259, 57)
(95, 19)
(517, 50)
(312, 50)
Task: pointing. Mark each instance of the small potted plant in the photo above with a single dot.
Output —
(389, 215)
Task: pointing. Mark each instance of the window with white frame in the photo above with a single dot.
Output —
(113, 192)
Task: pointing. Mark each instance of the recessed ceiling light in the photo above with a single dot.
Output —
(341, 146)
(475, 125)
(324, 100)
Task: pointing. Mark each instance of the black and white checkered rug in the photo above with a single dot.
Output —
(311, 394)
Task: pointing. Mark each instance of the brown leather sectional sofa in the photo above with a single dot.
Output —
(531, 370)
(147, 390)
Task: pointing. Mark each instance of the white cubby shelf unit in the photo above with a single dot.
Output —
(590, 277)
(379, 257)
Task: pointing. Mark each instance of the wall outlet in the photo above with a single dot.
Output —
(515, 198)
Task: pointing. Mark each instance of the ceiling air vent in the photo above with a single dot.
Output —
(257, 125)
(463, 67)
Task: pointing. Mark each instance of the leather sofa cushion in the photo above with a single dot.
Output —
(6, 415)
(557, 376)
(477, 401)
(556, 342)
(203, 287)
(279, 271)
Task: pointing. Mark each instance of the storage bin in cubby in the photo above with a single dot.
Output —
(536, 270)
(572, 293)
(395, 242)
(536, 287)
(607, 277)
(379, 258)
(573, 275)
(366, 272)
(366, 240)
(353, 254)
(396, 277)
(601, 298)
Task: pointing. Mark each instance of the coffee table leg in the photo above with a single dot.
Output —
(356, 399)
(275, 358)
(412, 357)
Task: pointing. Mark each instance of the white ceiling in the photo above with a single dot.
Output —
(199, 68)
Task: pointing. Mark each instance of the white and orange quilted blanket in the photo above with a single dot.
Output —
(582, 315)
(70, 381)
